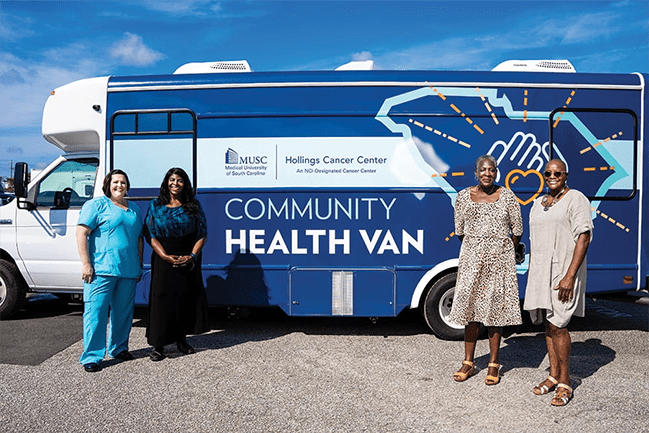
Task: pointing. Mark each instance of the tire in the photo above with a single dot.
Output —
(12, 289)
(437, 307)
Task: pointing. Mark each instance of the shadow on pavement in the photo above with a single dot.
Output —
(45, 326)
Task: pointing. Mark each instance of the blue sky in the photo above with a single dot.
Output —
(46, 44)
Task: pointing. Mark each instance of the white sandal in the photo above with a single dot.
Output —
(561, 398)
(542, 390)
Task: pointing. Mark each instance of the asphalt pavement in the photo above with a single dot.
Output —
(269, 373)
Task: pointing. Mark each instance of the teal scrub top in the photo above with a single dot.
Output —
(113, 240)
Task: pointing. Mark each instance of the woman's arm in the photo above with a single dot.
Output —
(567, 284)
(82, 245)
(516, 220)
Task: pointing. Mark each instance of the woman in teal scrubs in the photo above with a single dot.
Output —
(110, 243)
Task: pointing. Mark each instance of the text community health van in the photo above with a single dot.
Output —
(331, 193)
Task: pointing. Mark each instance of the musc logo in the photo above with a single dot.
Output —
(232, 157)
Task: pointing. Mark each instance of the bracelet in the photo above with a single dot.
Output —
(193, 255)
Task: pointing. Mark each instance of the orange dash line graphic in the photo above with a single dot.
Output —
(611, 220)
(448, 137)
(487, 106)
(599, 143)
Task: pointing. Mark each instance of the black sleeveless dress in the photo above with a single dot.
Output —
(177, 300)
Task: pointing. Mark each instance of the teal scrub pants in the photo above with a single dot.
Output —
(107, 298)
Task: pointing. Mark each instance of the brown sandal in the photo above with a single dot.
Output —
(542, 389)
(493, 380)
(460, 376)
(562, 395)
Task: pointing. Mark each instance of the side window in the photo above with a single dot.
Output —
(600, 147)
(147, 143)
(76, 177)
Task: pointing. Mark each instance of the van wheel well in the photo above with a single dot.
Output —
(436, 307)
(12, 289)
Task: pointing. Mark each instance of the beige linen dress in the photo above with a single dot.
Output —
(486, 289)
(553, 237)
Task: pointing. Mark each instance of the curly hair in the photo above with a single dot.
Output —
(186, 194)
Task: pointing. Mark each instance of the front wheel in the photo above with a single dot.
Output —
(437, 308)
(12, 289)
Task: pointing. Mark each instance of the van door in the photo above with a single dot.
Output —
(46, 240)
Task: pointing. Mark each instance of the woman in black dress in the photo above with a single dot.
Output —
(176, 229)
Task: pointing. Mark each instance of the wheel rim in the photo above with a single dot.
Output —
(3, 291)
(445, 304)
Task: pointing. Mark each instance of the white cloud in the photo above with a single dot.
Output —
(26, 86)
(131, 50)
(14, 27)
(184, 8)
(546, 35)
(362, 56)
(590, 27)
(205, 9)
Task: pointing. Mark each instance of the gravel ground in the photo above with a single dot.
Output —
(332, 375)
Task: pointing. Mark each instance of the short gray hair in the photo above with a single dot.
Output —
(483, 158)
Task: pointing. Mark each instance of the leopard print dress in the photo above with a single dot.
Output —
(486, 289)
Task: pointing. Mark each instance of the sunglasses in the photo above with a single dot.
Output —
(556, 173)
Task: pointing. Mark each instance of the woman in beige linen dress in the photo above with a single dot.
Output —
(488, 223)
(560, 232)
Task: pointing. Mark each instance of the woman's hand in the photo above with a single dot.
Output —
(172, 260)
(567, 284)
(81, 235)
(183, 261)
(565, 288)
(87, 272)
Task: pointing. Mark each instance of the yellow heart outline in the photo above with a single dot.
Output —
(524, 174)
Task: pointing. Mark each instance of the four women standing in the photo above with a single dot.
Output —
(487, 221)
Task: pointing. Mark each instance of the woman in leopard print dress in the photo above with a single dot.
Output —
(488, 223)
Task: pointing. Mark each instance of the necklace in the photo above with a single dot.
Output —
(545, 204)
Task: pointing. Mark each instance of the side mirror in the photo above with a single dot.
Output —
(21, 184)
(21, 180)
